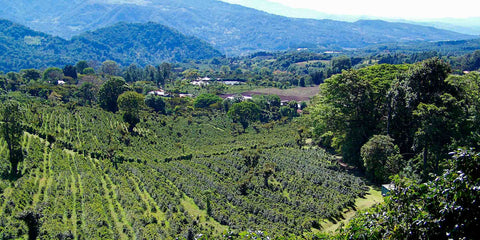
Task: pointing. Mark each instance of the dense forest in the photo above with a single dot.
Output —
(102, 151)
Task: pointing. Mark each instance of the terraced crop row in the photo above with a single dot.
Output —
(81, 197)
(86, 177)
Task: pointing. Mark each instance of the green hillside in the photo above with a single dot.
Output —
(232, 29)
(143, 44)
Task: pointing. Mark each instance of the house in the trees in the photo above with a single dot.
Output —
(386, 188)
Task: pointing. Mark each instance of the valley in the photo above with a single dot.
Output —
(200, 119)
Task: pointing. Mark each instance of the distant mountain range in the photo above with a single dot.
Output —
(232, 29)
(147, 43)
(462, 25)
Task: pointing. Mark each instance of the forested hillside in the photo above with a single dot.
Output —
(142, 44)
(232, 29)
(442, 47)
(417, 124)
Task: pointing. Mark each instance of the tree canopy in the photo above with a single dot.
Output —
(414, 105)
(130, 103)
(443, 208)
(206, 100)
(244, 112)
(12, 131)
(109, 92)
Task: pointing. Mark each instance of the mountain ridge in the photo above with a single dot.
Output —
(232, 29)
(125, 43)
(468, 25)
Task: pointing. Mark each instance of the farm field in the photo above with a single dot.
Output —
(83, 177)
(292, 94)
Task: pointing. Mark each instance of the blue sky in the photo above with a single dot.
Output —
(405, 9)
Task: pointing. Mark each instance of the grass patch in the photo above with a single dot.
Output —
(295, 94)
(205, 220)
(373, 197)
(303, 64)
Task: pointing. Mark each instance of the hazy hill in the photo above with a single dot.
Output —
(449, 48)
(143, 44)
(232, 29)
(21, 47)
(462, 25)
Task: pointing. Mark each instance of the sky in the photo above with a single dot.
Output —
(404, 9)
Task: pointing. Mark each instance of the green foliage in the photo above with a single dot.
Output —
(88, 71)
(109, 92)
(269, 106)
(351, 107)
(341, 63)
(164, 73)
(468, 88)
(130, 101)
(53, 75)
(413, 104)
(130, 104)
(81, 66)
(98, 182)
(12, 131)
(206, 100)
(155, 102)
(30, 74)
(110, 67)
(381, 158)
(443, 208)
(70, 71)
(244, 112)
(87, 93)
(191, 74)
(470, 62)
(426, 114)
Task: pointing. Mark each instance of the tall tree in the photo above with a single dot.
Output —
(424, 105)
(111, 68)
(80, 66)
(381, 158)
(30, 74)
(109, 92)
(133, 73)
(244, 113)
(155, 102)
(351, 108)
(130, 104)
(150, 73)
(70, 71)
(53, 74)
(165, 69)
(341, 63)
(205, 100)
(12, 132)
(87, 93)
(468, 87)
